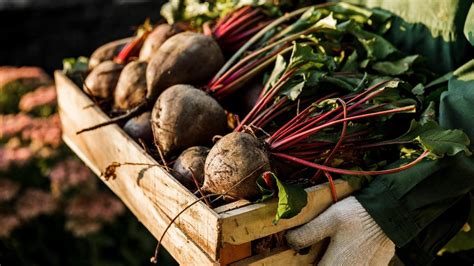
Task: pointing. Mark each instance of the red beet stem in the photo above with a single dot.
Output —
(341, 138)
(131, 49)
(297, 137)
(350, 172)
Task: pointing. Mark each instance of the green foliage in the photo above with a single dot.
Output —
(197, 12)
(291, 198)
(438, 141)
(10, 94)
(76, 69)
(397, 67)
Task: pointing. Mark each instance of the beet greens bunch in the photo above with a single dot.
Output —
(341, 101)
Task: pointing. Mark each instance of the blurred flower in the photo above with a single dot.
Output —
(82, 228)
(42, 151)
(8, 189)
(67, 174)
(8, 222)
(44, 130)
(8, 74)
(35, 202)
(13, 124)
(45, 95)
(99, 206)
(17, 156)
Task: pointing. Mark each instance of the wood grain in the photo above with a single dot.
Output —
(285, 257)
(255, 221)
(153, 195)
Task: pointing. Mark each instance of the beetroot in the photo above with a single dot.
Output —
(107, 52)
(185, 58)
(101, 82)
(131, 86)
(140, 128)
(155, 39)
(235, 157)
(191, 159)
(184, 116)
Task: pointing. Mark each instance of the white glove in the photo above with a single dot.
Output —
(355, 237)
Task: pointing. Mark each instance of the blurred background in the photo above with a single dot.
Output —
(43, 32)
(53, 210)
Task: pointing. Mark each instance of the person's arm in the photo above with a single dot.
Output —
(432, 28)
(405, 203)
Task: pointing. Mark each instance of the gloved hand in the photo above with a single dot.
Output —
(355, 237)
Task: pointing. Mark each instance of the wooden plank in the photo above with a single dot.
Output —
(285, 257)
(231, 253)
(180, 246)
(255, 221)
(153, 195)
(232, 206)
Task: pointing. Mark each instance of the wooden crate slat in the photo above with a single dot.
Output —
(232, 206)
(242, 225)
(285, 257)
(175, 242)
(141, 188)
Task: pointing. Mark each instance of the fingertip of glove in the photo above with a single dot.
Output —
(293, 240)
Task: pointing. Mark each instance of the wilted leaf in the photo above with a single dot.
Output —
(292, 91)
(278, 70)
(326, 23)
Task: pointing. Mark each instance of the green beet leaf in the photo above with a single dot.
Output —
(395, 68)
(375, 45)
(303, 57)
(438, 141)
(291, 198)
(444, 142)
(292, 90)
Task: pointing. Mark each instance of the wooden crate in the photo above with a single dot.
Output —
(201, 235)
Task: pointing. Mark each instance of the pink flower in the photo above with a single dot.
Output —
(8, 189)
(8, 222)
(35, 202)
(13, 124)
(99, 206)
(9, 74)
(69, 173)
(82, 228)
(45, 95)
(44, 130)
(13, 155)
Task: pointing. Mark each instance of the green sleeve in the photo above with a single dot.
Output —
(406, 203)
(440, 30)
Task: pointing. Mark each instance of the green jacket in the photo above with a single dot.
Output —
(422, 208)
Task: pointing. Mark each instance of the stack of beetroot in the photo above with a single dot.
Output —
(262, 101)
